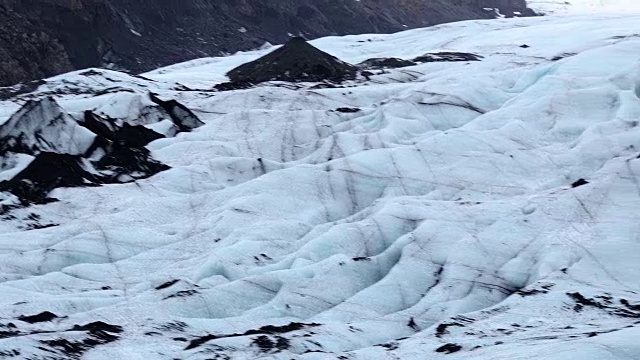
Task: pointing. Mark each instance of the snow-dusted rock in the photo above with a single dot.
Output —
(183, 118)
(43, 126)
(100, 139)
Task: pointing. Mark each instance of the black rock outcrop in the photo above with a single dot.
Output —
(127, 135)
(447, 57)
(180, 115)
(295, 61)
(45, 173)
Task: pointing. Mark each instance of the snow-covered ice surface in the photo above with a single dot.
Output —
(445, 219)
(562, 7)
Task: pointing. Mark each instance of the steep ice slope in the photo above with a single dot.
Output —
(468, 210)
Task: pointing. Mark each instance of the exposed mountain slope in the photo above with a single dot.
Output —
(26, 52)
(144, 34)
(482, 209)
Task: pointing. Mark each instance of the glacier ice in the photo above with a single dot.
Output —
(439, 217)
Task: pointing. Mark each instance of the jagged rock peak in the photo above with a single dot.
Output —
(41, 126)
(295, 61)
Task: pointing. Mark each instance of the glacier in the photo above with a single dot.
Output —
(458, 210)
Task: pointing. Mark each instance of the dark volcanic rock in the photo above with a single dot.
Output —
(385, 63)
(295, 61)
(348, 110)
(123, 164)
(120, 150)
(45, 173)
(228, 86)
(118, 163)
(129, 135)
(180, 115)
(93, 335)
(98, 328)
(390, 63)
(449, 348)
(579, 182)
(43, 37)
(38, 318)
(265, 330)
(447, 56)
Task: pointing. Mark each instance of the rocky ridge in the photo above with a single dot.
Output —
(41, 38)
